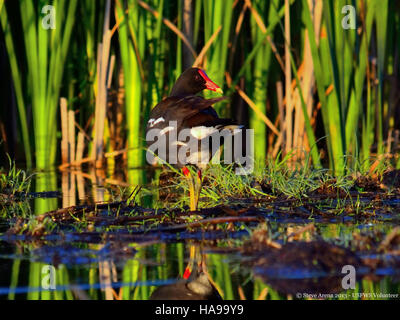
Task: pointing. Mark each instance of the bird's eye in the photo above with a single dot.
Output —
(197, 78)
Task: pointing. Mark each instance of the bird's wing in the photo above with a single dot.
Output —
(183, 108)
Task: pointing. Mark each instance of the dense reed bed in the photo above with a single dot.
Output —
(306, 75)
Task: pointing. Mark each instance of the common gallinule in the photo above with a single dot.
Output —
(197, 287)
(185, 120)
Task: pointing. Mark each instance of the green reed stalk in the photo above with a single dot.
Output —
(157, 50)
(16, 266)
(18, 82)
(344, 55)
(250, 57)
(356, 100)
(45, 55)
(52, 48)
(217, 13)
(220, 273)
(179, 57)
(260, 74)
(330, 108)
(130, 273)
(381, 18)
(89, 10)
(180, 257)
(34, 280)
(45, 181)
(63, 280)
(196, 20)
(333, 58)
(132, 79)
(144, 291)
(93, 278)
(229, 295)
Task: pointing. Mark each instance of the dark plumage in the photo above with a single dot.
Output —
(183, 109)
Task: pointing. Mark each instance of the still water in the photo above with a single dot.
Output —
(94, 258)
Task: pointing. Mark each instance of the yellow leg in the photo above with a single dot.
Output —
(189, 267)
(194, 198)
(195, 185)
(198, 187)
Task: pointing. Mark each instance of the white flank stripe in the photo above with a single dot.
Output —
(165, 130)
(152, 122)
(161, 119)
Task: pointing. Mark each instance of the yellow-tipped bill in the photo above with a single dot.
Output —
(219, 90)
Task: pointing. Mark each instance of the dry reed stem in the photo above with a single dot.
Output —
(64, 189)
(279, 93)
(90, 159)
(200, 57)
(307, 84)
(75, 163)
(288, 79)
(80, 147)
(72, 190)
(80, 182)
(263, 294)
(252, 105)
(92, 178)
(71, 135)
(263, 28)
(241, 293)
(110, 71)
(309, 227)
(187, 26)
(105, 279)
(64, 130)
(259, 113)
(103, 68)
(238, 27)
(240, 20)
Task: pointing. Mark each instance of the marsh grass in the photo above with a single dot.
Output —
(280, 177)
(14, 181)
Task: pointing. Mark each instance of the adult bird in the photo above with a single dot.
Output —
(183, 122)
(187, 121)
